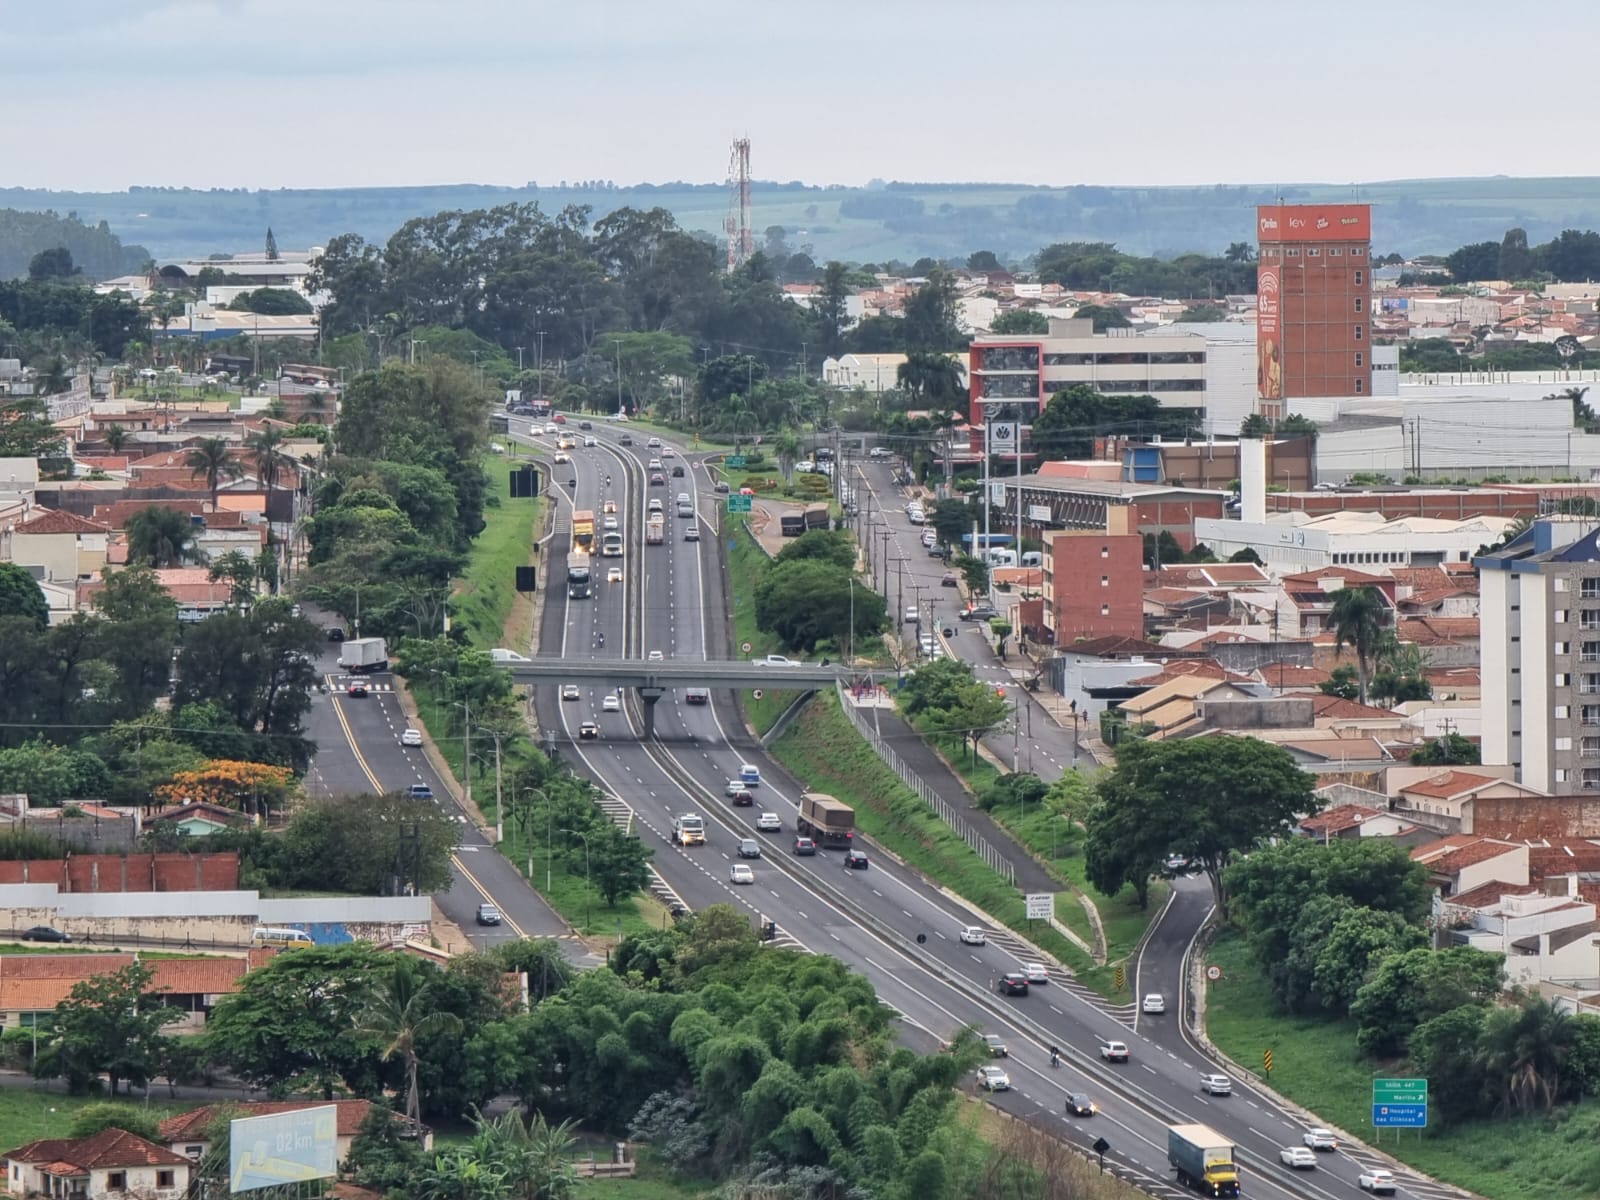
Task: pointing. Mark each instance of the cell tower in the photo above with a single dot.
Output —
(741, 239)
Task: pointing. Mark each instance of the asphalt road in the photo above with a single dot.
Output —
(671, 599)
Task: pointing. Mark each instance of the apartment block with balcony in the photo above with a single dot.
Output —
(1540, 635)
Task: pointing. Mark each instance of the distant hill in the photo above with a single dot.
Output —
(96, 251)
(903, 221)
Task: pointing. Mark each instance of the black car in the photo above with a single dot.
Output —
(45, 933)
(1012, 983)
(804, 846)
(336, 634)
(743, 798)
(677, 470)
(625, 440)
(855, 860)
(488, 914)
(585, 424)
(356, 690)
(1080, 1105)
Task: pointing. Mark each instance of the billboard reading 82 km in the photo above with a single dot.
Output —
(286, 1147)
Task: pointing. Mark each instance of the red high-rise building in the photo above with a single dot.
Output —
(1313, 302)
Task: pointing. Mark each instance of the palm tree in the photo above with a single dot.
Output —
(210, 458)
(263, 448)
(116, 437)
(534, 1158)
(400, 1014)
(1523, 1051)
(161, 537)
(1357, 620)
(933, 378)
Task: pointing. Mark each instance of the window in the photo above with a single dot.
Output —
(1292, 252)
(1560, 648)
(1358, 275)
(1105, 581)
(1589, 589)
(1358, 387)
(1559, 616)
(1589, 714)
(164, 1179)
(1560, 681)
(1359, 357)
(1589, 779)
(1589, 685)
(1561, 774)
(1314, 252)
(1566, 743)
(1334, 252)
(1357, 251)
(1358, 303)
(1589, 651)
(117, 1181)
(1561, 713)
(1358, 333)
(1105, 610)
(1105, 551)
(1558, 584)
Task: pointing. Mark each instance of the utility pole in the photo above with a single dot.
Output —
(539, 360)
(499, 803)
(619, 373)
(885, 535)
(900, 591)
(466, 746)
(519, 360)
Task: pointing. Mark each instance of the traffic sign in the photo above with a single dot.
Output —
(1213, 973)
(1040, 905)
(1266, 1061)
(757, 693)
(1400, 1103)
(735, 461)
(1118, 978)
(739, 503)
(745, 647)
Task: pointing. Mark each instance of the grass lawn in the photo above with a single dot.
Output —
(485, 600)
(746, 561)
(1315, 1063)
(1058, 843)
(27, 1113)
(825, 753)
(579, 904)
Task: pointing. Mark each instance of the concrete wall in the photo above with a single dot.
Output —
(1282, 712)
(1245, 657)
(1525, 818)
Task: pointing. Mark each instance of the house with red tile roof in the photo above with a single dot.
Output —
(186, 1132)
(1352, 821)
(1292, 677)
(1307, 599)
(1462, 861)
(1445, 798)
(109, 1165)
(31, 985)
(1547, 932)
(63, 546)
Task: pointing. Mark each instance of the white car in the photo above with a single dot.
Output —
(929, 537)
(589, 440)
(1036, 972)
(655, 656)
(1298, 1157)
(653, 444)
(1215, 1085)
(569, 691)
(1114, 1051)
(552, 429)
(610, 524)
(1319, 1138)
(972, 935)
(614, 575)
(611, 703)
(740, 873)
(880, 452)
(1155, 1002)
(768, 822)
(655, 464)
(1378, 1181)
(563, 457)
(411, 737)
(993, 1079)
(913, 613)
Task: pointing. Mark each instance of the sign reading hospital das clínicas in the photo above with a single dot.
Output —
(283, 1148)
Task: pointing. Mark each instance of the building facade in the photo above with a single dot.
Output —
(1540, 621)
(1094, 581)
(1314, 300)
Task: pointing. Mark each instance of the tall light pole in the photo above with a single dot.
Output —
(618, 341)
(549, 848)
(519, 360)
(588, 900)
(540, 361)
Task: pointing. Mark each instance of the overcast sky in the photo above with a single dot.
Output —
(104, 94)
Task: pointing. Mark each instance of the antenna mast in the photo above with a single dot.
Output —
(741, 239)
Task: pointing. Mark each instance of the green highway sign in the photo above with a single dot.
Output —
(739, 504)
(1399, 1091)
(735, 461)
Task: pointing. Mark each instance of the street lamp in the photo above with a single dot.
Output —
(588, 900)
(549, 842)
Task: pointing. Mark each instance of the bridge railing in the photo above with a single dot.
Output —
(981, 845)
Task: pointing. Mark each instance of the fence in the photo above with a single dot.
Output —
(981, 846)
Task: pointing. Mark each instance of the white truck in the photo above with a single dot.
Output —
(688, 830)
(362, 656)
(655, 529)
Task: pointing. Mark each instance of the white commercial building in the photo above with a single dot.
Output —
(1292, 542)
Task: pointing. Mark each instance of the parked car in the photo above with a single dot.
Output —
(45, 933)
(1298, 1157)
(980, 612)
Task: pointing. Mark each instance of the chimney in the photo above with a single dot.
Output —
(1253, 480)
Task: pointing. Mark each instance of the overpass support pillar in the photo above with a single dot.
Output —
(649, 695)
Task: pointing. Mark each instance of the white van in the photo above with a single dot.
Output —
(1002, 558)
(266, 935)
(1033, 558)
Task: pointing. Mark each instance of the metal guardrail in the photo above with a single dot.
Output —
(980, 845)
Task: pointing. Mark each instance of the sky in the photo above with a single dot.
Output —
(106, 94)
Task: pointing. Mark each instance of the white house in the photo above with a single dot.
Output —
(108, 1165)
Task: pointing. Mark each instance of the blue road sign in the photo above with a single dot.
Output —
(1400, 1116)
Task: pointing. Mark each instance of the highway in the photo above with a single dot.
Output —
(672, 599)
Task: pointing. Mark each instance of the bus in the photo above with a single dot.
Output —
(578, 575)
(992, 540)
(583, 528)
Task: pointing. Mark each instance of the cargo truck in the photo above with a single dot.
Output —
(827, 821)
(655, 529)
(688, 830)
(1203, 1159)
(362, 656)
(578, 575)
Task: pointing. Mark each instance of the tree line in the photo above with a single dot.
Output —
(1572, 256)
(765, 1070)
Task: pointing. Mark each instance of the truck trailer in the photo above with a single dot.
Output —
(1203, 1159)
(362, 656)
(827, 821)
(655, 529)
(579, 575)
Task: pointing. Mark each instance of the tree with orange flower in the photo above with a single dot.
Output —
(228, 783)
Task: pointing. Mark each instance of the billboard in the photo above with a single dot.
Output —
(1269, 332)
(286, 1147)
(1314, 223)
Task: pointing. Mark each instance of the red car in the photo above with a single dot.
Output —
(558, 419)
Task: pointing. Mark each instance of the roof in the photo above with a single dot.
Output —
(1486, 895)
(1116, 489)
(1281, 674)
(1178, 687)
(1116, 647)
(38, 982)
(1447, 856)
(1351, 578)
(1213, 575)
(1337, 708)
(57, 521)
(1346, 816)
(1563, 859)
(182, 812)
(1427, 629)
(108, 1148)
(1450, 784)
(1336, 749)
(191, 1126)
(1207, 668)
(1172, 597)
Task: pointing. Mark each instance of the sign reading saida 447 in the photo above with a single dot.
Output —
(1314, 223)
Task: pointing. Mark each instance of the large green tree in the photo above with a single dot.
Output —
(110, 1024)
(399, 1015)
(1358, 619)
(159, 537)
(811, 600)
(1408, 989)
(20, 595)
(1208, 799)
(1020, 320)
